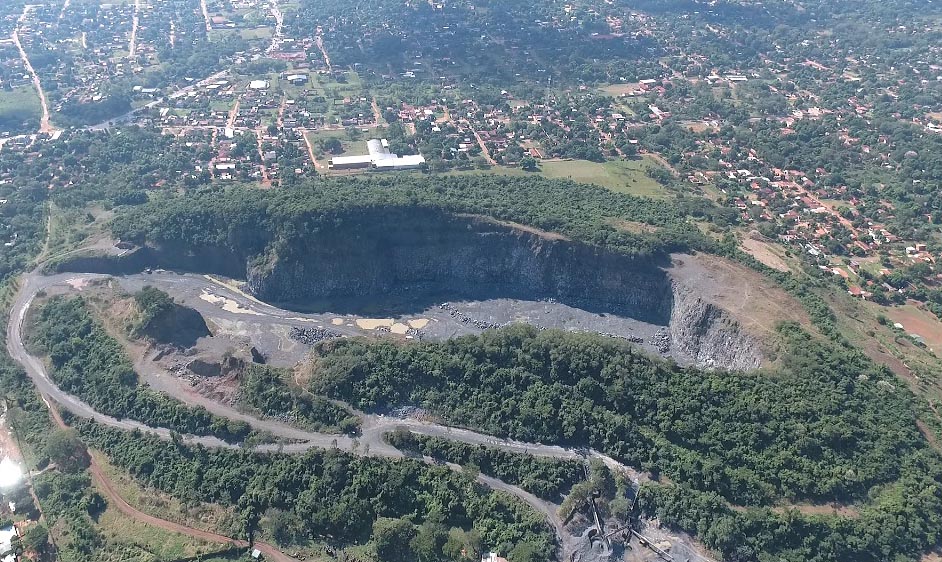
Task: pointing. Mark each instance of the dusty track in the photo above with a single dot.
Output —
(106, 487)
(45, 123)
(371, 441)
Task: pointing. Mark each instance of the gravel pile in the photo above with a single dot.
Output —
(310, 336)
(466, 319)
(662, 341)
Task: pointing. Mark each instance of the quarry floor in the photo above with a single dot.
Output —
(238, 320)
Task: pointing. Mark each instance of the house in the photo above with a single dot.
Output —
(492, 557)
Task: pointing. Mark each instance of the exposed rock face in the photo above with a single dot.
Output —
(708, 335)
(409, 259)
(452, 257)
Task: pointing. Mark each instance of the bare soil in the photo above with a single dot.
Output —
(752, 299)
(765, 253)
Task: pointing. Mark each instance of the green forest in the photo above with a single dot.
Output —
(248, 221)
(546, 478)
(413, 511)
(827, 425)
(264, 389)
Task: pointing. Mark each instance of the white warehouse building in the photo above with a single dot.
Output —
(379, 158)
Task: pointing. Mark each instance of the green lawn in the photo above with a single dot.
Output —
(618, 175)
(18, 107)
(623, 176)
(350, 148)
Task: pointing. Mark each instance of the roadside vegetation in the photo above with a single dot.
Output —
(827, 426)
(399, 508)
(543, 477)
(90, 364)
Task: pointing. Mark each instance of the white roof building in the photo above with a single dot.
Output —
(379, 158)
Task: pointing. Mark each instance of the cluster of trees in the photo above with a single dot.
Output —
(152, 305)
(336, 496)
(247, 222)
(90, 364)
(544, 477)
(67, 497)
(827, 425)
(263, 388)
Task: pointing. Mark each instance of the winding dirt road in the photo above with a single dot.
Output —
(370, 442)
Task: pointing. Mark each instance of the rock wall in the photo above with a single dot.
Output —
(408, 259)
(432, 258)
(709, 336)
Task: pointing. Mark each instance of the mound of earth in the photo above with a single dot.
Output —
(166, 322)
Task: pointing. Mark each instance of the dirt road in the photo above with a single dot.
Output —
(370, 442)
(209, 25)
(135, 23)
(106, 487)
(320, 45)
(45, 124)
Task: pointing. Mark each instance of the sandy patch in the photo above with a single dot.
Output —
(765, 253)
(337, 321)
(77, 283)
(418, 323)
(399, 328)
(373, 323)
(228, 305)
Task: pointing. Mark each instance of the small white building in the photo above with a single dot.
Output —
(259, 85)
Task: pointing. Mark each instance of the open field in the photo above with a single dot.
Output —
(350, 147)
(623, 176)
(619, 89)
(18, 106)
(767, 253)
(127, 536)
(917, 321)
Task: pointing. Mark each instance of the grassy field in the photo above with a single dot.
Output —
(18, 107)
(125, 536)
(350, 147)
(623, 176)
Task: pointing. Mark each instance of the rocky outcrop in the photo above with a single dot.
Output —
(708, 335)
